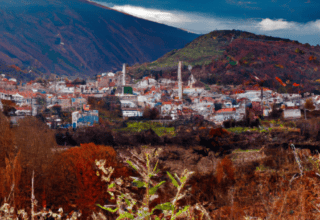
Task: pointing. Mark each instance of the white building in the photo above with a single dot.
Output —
(132, 112)
(292, 113)
(67, 90)
(127, 104)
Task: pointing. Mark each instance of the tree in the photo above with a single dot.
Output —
(7, 157)
(8, 107)
(151, 113)
(6, 140)
(36, 143)
(74, 182)
(309, 104)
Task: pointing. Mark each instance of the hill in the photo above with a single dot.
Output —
(236, 57)
(79, 37)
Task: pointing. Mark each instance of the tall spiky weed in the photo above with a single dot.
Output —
(127, 207)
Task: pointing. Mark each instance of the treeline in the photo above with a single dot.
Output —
(61, 178)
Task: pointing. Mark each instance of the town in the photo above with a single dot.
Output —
(171, 99)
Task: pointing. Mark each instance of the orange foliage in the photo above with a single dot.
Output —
(74, 181)
(309, 104)
(280, 81)
(6, 140)
(280, 66)
(312, 58)
(15, 67)
(10, 168)
(295, 84)
(225, 170)
(218, 132)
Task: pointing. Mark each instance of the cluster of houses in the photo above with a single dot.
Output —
(173, 99)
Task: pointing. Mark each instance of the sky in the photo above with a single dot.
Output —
(294, 19)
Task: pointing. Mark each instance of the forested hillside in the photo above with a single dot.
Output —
(235, 57)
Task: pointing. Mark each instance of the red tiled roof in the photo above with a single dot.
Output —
(162, 87)
(178, 103)
(226, 110)
(23, 108)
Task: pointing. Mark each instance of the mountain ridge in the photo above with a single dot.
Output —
(237, 57)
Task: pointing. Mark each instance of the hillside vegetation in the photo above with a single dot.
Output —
(241, 56)
(248, 173)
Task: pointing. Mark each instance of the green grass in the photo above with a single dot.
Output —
(262, 168)
(239, 130)
(136, 127)
(246, 151)
(199, 52)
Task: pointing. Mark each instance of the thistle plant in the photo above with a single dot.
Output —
(297, 159)
(129, 207)
(7, 212)
(170, 208)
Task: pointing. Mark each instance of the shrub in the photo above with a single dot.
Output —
(309, 104)
(151, 114)
(137, 127)
(128, 207)
(36, 142)
(73, 181)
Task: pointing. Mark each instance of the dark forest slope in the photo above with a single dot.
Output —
(76, 36)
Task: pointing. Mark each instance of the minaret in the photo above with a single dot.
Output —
(124, 74)
(123, 77)
(180, 80)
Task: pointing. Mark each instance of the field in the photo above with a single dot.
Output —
(181, 171)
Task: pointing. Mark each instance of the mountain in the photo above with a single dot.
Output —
(79, 37)
(238, 57)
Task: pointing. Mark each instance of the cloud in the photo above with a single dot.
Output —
(203, 23)
(240, 2)
(196, 22)
(244, 3)
(153, 14)
(271, 25)
(316, 24)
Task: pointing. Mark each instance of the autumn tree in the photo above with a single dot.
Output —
(7, 155)
(10, 178)
(309, 104)
(36, 143)
(74, 183)
(8, 107)
(6, 139)
(151, 113)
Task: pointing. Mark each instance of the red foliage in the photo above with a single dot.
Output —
(225, 170)
(81, 187)
(16, 68)
(295, 84)
(311, 58)
(218, 132)
(280, 81)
